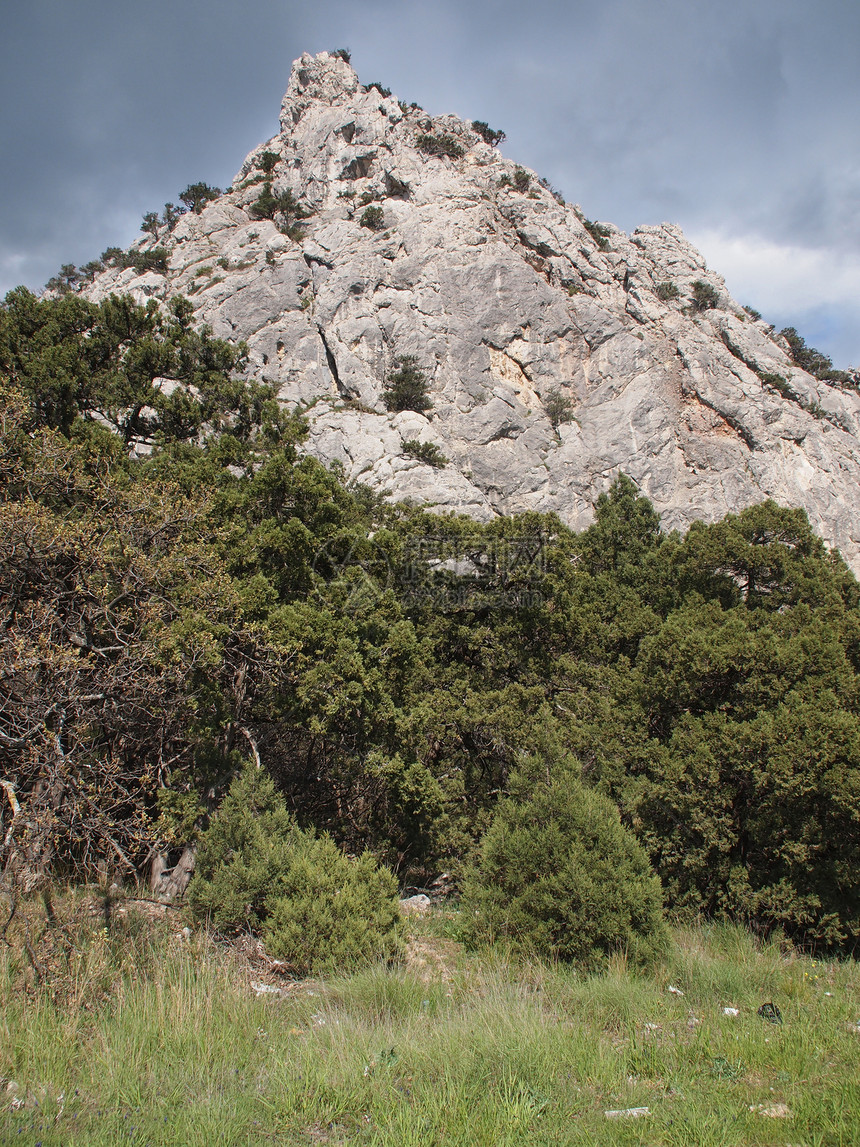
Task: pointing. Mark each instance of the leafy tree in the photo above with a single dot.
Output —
(150, 222)
(427, 452)
(244, 855)
(406, 387)
(558, 407)
(522, 180)
(91, 269)
(171, 215)
(197, 195)
(108, 659)
(68, 278)
(487, 134)
(76, 359)
(268, 205)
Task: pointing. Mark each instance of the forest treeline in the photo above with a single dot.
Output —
(183, 590)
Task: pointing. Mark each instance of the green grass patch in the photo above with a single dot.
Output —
(138, 1035)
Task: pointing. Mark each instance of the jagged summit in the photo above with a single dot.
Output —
(558, 353)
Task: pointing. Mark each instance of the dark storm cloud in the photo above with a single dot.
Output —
(736, 120)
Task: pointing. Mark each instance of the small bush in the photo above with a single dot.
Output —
(666, 291)
(91, 269)
(560, 877)
(505, 181)
(558, 407)
(243, 854)
(779, 384)
(284, 203)
(705, 297)
(373, 218)
(440, 145)
(383, 91)
(153, 260)
(753, 313)
(343, 54)
(150, 222)
(487, 134)
(813, 361)
(333, 914)
(197, 195)
(554, 191)
(522, 180)
(599, 232)
(314, 907)
(427, 452)
(406, 388)
(268, 161)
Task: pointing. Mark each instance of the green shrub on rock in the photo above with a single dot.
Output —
(406, 387)
(317, 909)
(704, 296)
(439, 146)
(559, 876)
(667, 291)
(373, 218)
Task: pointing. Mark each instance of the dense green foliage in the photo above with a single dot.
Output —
(667, 291)
(316, 909)
(197, 195)
(282, 205)
(333, 913)
(185, 589)
(558, 875)
(244, 855)
(558, 407)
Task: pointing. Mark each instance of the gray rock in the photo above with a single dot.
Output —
(504, 299)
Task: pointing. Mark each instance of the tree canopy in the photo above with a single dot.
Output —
(183, 589)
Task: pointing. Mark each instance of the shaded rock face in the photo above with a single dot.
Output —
(515, 310)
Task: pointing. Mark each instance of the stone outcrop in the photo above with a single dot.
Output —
(557, 356)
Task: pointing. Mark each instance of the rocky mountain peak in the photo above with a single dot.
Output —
(327, 78)
(555, 352)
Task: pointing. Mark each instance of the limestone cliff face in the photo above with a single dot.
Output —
(508, 301)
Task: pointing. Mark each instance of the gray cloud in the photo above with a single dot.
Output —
(736, 120)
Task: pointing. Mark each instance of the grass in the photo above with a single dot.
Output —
(138, 1035)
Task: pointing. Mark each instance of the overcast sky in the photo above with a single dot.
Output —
(737, 119)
